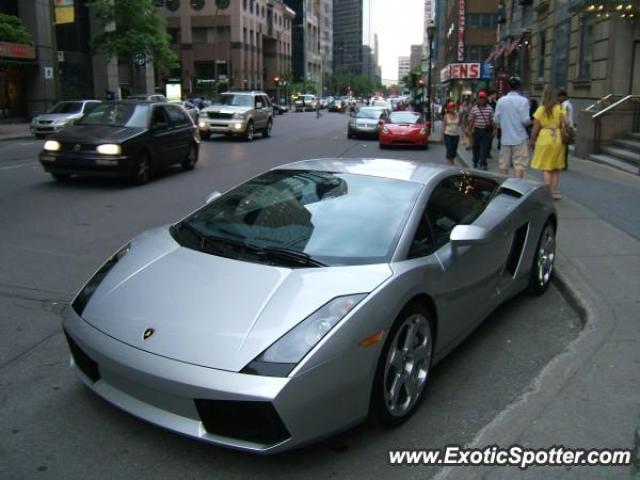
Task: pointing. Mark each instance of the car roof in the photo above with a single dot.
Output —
(407, 170)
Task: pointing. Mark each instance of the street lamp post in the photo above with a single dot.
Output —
(431, 31)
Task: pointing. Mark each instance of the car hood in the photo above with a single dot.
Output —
(95, 134)
(52, 117)
(208, 310)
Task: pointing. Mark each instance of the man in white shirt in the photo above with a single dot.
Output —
(568, 112)
(512, 117)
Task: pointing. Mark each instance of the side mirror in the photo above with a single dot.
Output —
(211, 197)
(469, 235)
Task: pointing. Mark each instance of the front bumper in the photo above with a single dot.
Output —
(208, 126)
(404, 139)
(68, 163)
(46, 129)
(204, 403)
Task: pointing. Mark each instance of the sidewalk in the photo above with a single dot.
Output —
(589, 396)
(14, 131)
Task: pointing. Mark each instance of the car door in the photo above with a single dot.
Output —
(182, 128)
(261, 112)
(161, 136)
(465, 284)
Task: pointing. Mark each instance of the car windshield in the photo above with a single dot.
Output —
(67, 107)
(369, 113)
(118, 115)
(235, 100)
(405, 117)
(333, 218)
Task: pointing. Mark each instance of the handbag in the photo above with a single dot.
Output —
(568, 135)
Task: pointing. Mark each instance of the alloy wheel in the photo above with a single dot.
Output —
(407, 365)
(546, 256)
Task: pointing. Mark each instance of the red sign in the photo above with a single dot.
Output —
(457, 71)
(17, 50)
(461, 25)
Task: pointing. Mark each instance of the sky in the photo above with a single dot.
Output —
(399, 25)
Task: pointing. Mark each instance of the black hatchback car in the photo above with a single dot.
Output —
(123, 139)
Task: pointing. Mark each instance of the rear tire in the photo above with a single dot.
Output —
(189, 163)
(61, 177)
(266, 133)
(543, 261)
(403, 367)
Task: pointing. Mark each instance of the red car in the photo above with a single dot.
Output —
(404, 128)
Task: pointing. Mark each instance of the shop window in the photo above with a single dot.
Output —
(586, 47)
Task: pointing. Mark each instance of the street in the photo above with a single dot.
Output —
(56, 235)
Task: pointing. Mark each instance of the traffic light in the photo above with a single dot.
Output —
(276, 80)
(421, 82)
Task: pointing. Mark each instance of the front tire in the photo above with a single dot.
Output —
(543, 261)
(249, 133)
(141, 173)
(403, 367)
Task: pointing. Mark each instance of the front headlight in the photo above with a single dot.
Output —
(202, 124)
(238, 116)
(81, 300)
(52, 145)
(109, 149)
(281, 357)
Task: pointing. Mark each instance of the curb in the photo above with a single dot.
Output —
(516, 418)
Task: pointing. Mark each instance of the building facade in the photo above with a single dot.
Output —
(307, 59)
(466, 44)
(325, 14)
(404, 67)
(347, 36)
(243, 46)
(415, 59)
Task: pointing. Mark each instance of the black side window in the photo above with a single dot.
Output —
(178, 117)
(458, 200)
(159, 117)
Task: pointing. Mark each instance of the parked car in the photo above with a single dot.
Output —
(148, 97)
(280, 107)
(238, 113)
(405, 129)
(123, 139)
(308, 298)
(190, 108)
(366, 121)
(305, 103)
(62, 115)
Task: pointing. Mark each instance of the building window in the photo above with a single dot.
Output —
(481, 20)
(174, 35)
(244, 5)
(586, 47)
(561, 53)
(199, 35)
(527, 16)
(542, 53)
(173, 5)
(197, 4)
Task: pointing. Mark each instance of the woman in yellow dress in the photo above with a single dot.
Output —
(546, 140)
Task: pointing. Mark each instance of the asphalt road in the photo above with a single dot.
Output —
(53, 236)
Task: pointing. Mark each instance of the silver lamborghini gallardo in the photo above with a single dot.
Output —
(308, 298)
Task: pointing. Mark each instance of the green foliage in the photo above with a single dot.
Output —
(12, 30)
(138, 28)
(302, 87)
(360, 85)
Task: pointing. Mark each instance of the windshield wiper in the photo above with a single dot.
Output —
(291, 255)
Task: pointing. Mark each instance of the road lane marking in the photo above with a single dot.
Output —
(13, 167)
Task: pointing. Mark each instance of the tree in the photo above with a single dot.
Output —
(12, 30)
(132, 26)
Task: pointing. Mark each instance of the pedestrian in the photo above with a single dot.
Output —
(546, 139)
(465, 108)
(563, 98)
(451, 132)
(493, 99)
(481, 126)
(318, 106)
(512, 117)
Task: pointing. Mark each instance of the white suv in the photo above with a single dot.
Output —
(237, 113)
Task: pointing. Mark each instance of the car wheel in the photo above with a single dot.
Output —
(189, 163)
(403, 367)
(61, 177)
(543, 261)
(266, 133)
(249, 133)
(350, 134)
(141, 173)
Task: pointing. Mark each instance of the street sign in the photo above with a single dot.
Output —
(140, 59)
(48, 73)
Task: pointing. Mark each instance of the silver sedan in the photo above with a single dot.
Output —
(366, 121)
(300, 302)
